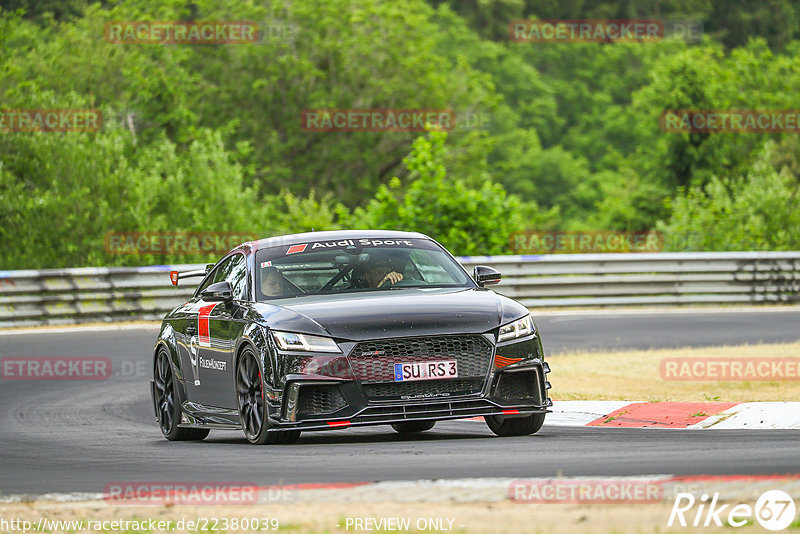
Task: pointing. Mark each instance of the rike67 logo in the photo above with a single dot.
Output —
(774, 510)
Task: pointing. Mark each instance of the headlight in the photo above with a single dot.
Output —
(305, 342)
(519, 328)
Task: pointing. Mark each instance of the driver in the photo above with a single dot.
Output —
(273, 283)
(382, 274)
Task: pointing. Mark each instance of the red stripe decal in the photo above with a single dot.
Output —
(662, 414)
(339, 423)
(500, 361)
(510, 412)
(296, 248)
(203, 323)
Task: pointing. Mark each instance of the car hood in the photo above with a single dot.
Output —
(392, 313)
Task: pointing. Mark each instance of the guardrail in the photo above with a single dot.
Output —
(648, 279)
(63, 296)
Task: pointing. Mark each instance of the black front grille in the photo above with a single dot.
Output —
(518, 385)
(319, 400)
(373, 361)
(393, 390)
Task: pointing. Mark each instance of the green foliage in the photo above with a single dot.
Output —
(735, 21)
(65, 192)
(208, 138)
(343, 54)
(756, 211)
(44, 10)
(489, 17)
(468, 221)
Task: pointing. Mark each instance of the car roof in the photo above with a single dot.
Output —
(311, 237)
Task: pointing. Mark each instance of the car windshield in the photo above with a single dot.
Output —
(355, 265)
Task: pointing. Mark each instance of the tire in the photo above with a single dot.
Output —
(252, 408)
(169, 411)
(413, 427)
(515, 426)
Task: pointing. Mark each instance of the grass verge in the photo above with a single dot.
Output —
(636, 375)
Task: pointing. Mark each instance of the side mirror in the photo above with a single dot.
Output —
(219, 292)
(486, 276)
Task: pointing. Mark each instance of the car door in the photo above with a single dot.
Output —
(219, 327)
(185, 323)
(193, 314)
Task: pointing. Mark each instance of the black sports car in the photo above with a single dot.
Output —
(327, 330)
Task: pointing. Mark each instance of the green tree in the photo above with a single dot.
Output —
(468, 221)
(759, 210)
(734, 22)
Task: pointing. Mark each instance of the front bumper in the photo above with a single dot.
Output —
(323, 404)
(438, 411)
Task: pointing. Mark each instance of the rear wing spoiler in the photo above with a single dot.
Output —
(174, 276)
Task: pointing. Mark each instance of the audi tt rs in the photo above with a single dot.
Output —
(328, 330)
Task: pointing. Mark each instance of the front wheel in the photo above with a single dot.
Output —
(515, 426)
(169, 408)
(413, 427)
(252, 407)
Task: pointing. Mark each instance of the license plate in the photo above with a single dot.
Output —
(406, 372)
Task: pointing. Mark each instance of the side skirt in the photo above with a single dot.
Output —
(199, 416)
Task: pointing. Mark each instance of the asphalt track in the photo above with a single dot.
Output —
(78, 436)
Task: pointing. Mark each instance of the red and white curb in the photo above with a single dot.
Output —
(680, 415)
